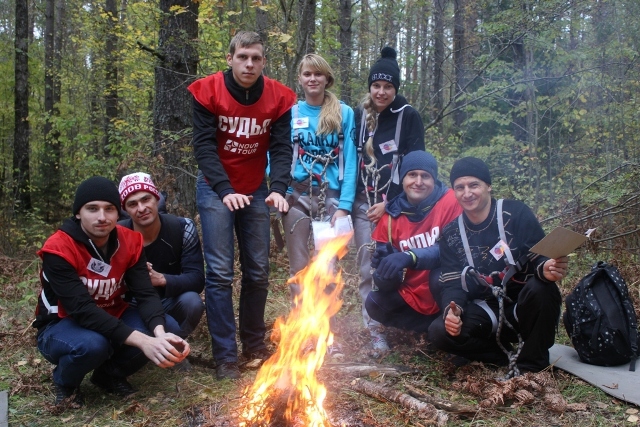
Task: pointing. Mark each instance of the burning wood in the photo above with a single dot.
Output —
(286, 388)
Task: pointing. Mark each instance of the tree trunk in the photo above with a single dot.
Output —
(390, 27)
(438, 60)
(111, 72)
(424, 85)
(51, 161)
(306, 31)
(532, 127)
(409, 89)
(173, 103)
(21, 172)
(345, 23)
(262, 28)
(364, 45)
(306, 26)
(459, 60)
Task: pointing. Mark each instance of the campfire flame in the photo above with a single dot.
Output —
(289, 376)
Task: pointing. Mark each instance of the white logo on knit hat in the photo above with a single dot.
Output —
(135, 182)
(381, 76)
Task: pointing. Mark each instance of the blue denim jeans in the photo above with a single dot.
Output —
(390, 309)
(252, 229)
(186, 309)
(76, 351)
(184, 313)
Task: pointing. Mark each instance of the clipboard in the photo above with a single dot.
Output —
(560, 242)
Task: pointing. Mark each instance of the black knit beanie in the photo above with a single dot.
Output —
(93, 189)
(386, 68)
(419, 160)
(470, 166)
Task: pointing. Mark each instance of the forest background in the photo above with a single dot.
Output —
(545, 91)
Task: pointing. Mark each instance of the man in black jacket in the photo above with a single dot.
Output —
(172, 248)
(83, 322)
(479, 256)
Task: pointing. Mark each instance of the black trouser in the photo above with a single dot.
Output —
(537, 311)
(390, 309)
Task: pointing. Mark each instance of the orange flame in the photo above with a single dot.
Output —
(304, 337)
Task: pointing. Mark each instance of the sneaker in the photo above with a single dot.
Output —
(379, 344)
(115, 385)
(228, 370)
(69, 396)
(335, 352)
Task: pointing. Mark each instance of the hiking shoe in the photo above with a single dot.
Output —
(227, 370)
(69, 396)
(114, 385)
(335, 352)
(458, 361)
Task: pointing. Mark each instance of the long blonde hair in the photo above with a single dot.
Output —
(330, 120)
(369, 114)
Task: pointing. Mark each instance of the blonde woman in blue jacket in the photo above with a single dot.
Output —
(324, 160)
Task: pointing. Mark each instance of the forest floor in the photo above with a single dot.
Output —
(196, 399)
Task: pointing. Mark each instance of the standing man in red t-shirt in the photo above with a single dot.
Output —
(406, 238)
(238, 117)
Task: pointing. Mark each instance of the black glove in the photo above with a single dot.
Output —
(392, 265)
(380, 253)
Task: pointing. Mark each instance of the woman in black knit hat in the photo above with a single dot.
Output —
(387, 128)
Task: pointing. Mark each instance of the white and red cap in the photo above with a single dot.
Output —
(135, 182)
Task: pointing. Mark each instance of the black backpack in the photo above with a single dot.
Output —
(600, 319)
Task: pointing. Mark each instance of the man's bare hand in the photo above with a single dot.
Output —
(157, 279)
(453, 322)
(165, 349)
(555, 269)
(375, 212)
(235, 201)
(277, 201)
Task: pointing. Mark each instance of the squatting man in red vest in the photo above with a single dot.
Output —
(407, 257)
(238, 117)
(83, 322)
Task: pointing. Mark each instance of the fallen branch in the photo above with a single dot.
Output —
(441, 403)
(383, 393)
(358, 370)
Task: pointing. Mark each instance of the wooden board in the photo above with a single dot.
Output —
(617, 381)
